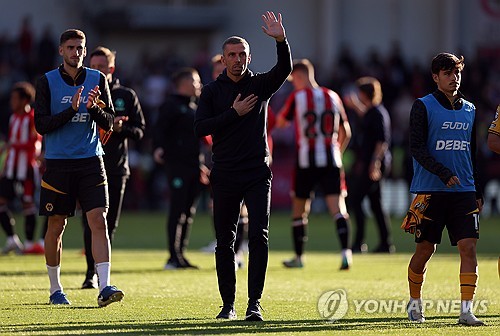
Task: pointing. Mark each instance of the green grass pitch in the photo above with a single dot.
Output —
(185, 302)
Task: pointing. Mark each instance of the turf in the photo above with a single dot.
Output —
(185, 302)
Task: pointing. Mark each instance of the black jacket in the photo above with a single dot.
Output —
(45, 122)
(126, 103)
(375, 127)
(174, 132)
(240, 143)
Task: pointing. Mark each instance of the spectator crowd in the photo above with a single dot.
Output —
(26, 57)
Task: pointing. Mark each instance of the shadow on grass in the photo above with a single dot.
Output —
(141, 271)
(194, 326)
(44, 305)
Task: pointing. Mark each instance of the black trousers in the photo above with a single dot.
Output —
(230, 189)
(116, 190)
(185, 187)
(359, 187)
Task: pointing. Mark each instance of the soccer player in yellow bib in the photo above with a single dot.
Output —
(494, 145)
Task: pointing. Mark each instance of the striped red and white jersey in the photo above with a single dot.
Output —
(317, 118)
(24, 146)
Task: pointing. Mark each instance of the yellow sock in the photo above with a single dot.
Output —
(468, 282)
(499, 267)
(415, 282)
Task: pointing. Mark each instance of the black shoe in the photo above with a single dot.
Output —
(186, 264)
(253, 311)
(173, 265)
(227, 312)
(90, 282)
(385, 248)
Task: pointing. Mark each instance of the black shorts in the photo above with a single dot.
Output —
(24, 190)
(11, 189)
(457, 212)
(329, 179)
(66, 181)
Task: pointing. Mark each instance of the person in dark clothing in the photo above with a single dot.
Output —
(372, 162)
(128, 124)
(445, 182)
(493, 142)
(240, 243)
(71, 102)
(178, 149)
(233, 109)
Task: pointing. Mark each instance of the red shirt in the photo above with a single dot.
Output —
(24, 145)
(317, 118)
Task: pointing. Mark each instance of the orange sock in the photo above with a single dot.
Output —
(468, 282)
(415, 282)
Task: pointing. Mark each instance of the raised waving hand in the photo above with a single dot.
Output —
(274, 26)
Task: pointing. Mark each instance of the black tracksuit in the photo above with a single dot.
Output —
(181, 148)
(241, 168)
(126, 103)
(375, 127)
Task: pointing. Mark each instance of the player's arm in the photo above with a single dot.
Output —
(351, 100)
(494, 142)
(375, 168)
(344, 136)
(418, 143)
(473, 154)
(206, 121)
(45, 122)
(494, 133)
(379, 152)
(165, 125)
(102, 113)
(286, 114)
(275, 77)
(381, 137)
(135, 125)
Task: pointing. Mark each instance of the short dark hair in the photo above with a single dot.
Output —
(446, 61)
(25, 90)
(303, 65)
(371, 87)
(182, 74)
(235, 40)
(103, 51)
(71, 34)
